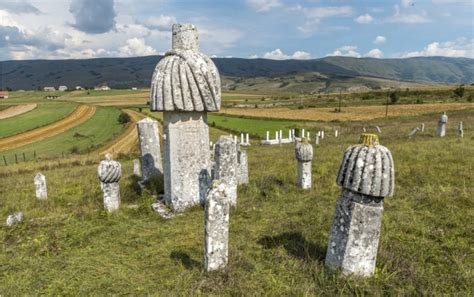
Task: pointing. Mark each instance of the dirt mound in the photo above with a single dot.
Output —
(81, 114)
(16, 110)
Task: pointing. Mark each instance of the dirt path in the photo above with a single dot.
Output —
(81, 114)
(16, 110)
(128, 140)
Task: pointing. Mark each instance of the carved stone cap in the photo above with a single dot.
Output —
(185, 79)
(109, 171)
(443, 118)
(368, 170)
(304, 151)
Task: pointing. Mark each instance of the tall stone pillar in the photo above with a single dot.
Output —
(366, 176)
(148, 136)
(443, 120)
(304, 156)
(185, 86)
(226, 168)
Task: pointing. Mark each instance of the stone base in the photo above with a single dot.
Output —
(304, 175)
(355, 234)
(186, 158)
(111, 196)
(441, 131)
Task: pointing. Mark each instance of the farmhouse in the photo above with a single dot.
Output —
(3, 95)
(102, 87)
(62, 88)
(79, 88)
(49, 89)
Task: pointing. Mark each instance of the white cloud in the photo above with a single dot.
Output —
(408, 18)
(374, 53)
(161, 22)
(279, 55)
(314, 16)
(461, 47)
(264, 5)
(253, 57)
(136, 47)
(380, 39)
(347, 51)
(442, 2)
(407, 3)
(364, 19)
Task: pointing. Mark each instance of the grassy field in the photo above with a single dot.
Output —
(102, 127)
(42, 115)
(278, 234)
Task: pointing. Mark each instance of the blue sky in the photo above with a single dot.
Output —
(274, 29)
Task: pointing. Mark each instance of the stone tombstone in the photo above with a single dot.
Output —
(243, 169)
(304, 156)
(461, 130)
(414, 132)
(40, 187)
(366, 175)
(422, 127)
(443, 120)
(185, 86)
(109, 173)
(216, 227)
(137, 168)
(150, 153)
(226, 170)
(14, 218)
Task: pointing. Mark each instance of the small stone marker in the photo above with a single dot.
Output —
(336, 133)
(243, 169)
(366, 176)
(225, 157)
(149, 138)
(316, 139)
(378, 129)
(40, 186)
(185, 86)
(414, 132)
(268, 136)
(109, 173)
(460, 130)
(216, 227)
(137, 168)
(14, 218)
(443, 119)
(422, 127)
(304, 156)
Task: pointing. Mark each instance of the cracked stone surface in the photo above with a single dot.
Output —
(150, 152)
(216, 227)
(109, 173)
(366, 175)
(226, 166)
(40, 187)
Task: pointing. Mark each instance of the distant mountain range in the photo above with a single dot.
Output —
(137, 72)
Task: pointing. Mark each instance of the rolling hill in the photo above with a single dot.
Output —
(137, 72)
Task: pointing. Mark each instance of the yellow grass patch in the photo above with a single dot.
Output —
(347, 114)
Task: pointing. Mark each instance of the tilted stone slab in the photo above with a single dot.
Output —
(150, 152)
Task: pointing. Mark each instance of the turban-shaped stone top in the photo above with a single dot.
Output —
(304, 151)
(185, 79)
(109, 171)
(367, 168)
(443, 118)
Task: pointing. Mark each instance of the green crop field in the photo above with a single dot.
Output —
(102, 127)
(68, 245)
(42, 115)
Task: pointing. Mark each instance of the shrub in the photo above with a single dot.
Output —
(74, 150)
(124, 118)
(394, 96)
(459, 91)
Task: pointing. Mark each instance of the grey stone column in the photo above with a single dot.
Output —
(109, 173)
(149, 138)
(243, 169)
(366, 176)
(185, 86)
(216, 227)
(226, 166)
(443, 119)
(137, 168)
(304, 156)
(40, 187)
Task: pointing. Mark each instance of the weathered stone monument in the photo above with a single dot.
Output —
(422, 127)
(226, 166)
(109, 173)
(137, 168)
(149, 138)
(14, 218)
(185, 86)
(304, 156)
(216, 227)
(414, 132)
(366, 176)
(243, 169)
(40, 187)
(443, 119)
(460, 130)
